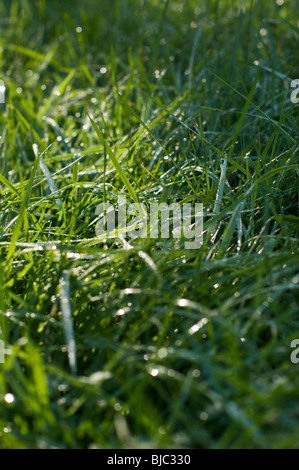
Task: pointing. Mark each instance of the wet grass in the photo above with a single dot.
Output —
(151, 344)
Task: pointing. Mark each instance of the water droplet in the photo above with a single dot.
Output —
(9, 398)
(154, 372)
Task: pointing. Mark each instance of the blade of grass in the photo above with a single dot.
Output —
(244, 111)
(114, 160)
(9, 185)
(25, 200)
(47, 174)
(255, 106)
(219, 193)
(66, 309)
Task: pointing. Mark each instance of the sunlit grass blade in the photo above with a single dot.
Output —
(115, 162)
(25, 200)
(219, 193)
(9, 185)
(66, 309)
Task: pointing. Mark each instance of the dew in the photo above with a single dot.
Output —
(73, 255)
(43, 87)
(280, 2)
(59, 138)
(263, 32)
(193, 329)
(79, 29)
(279, 380)
(162, 353)
(122, 311)
(196, 373)
(154, 372)
(198, 326)
(182, 303)
(62, 387)
(103, 70)
(9, 398)
(19, 90)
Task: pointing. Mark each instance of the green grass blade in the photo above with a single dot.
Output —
(114, 160)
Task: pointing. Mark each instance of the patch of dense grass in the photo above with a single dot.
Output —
(148, 345)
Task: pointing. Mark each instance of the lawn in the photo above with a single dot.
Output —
(141, 342)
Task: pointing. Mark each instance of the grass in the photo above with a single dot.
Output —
(110, 345)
